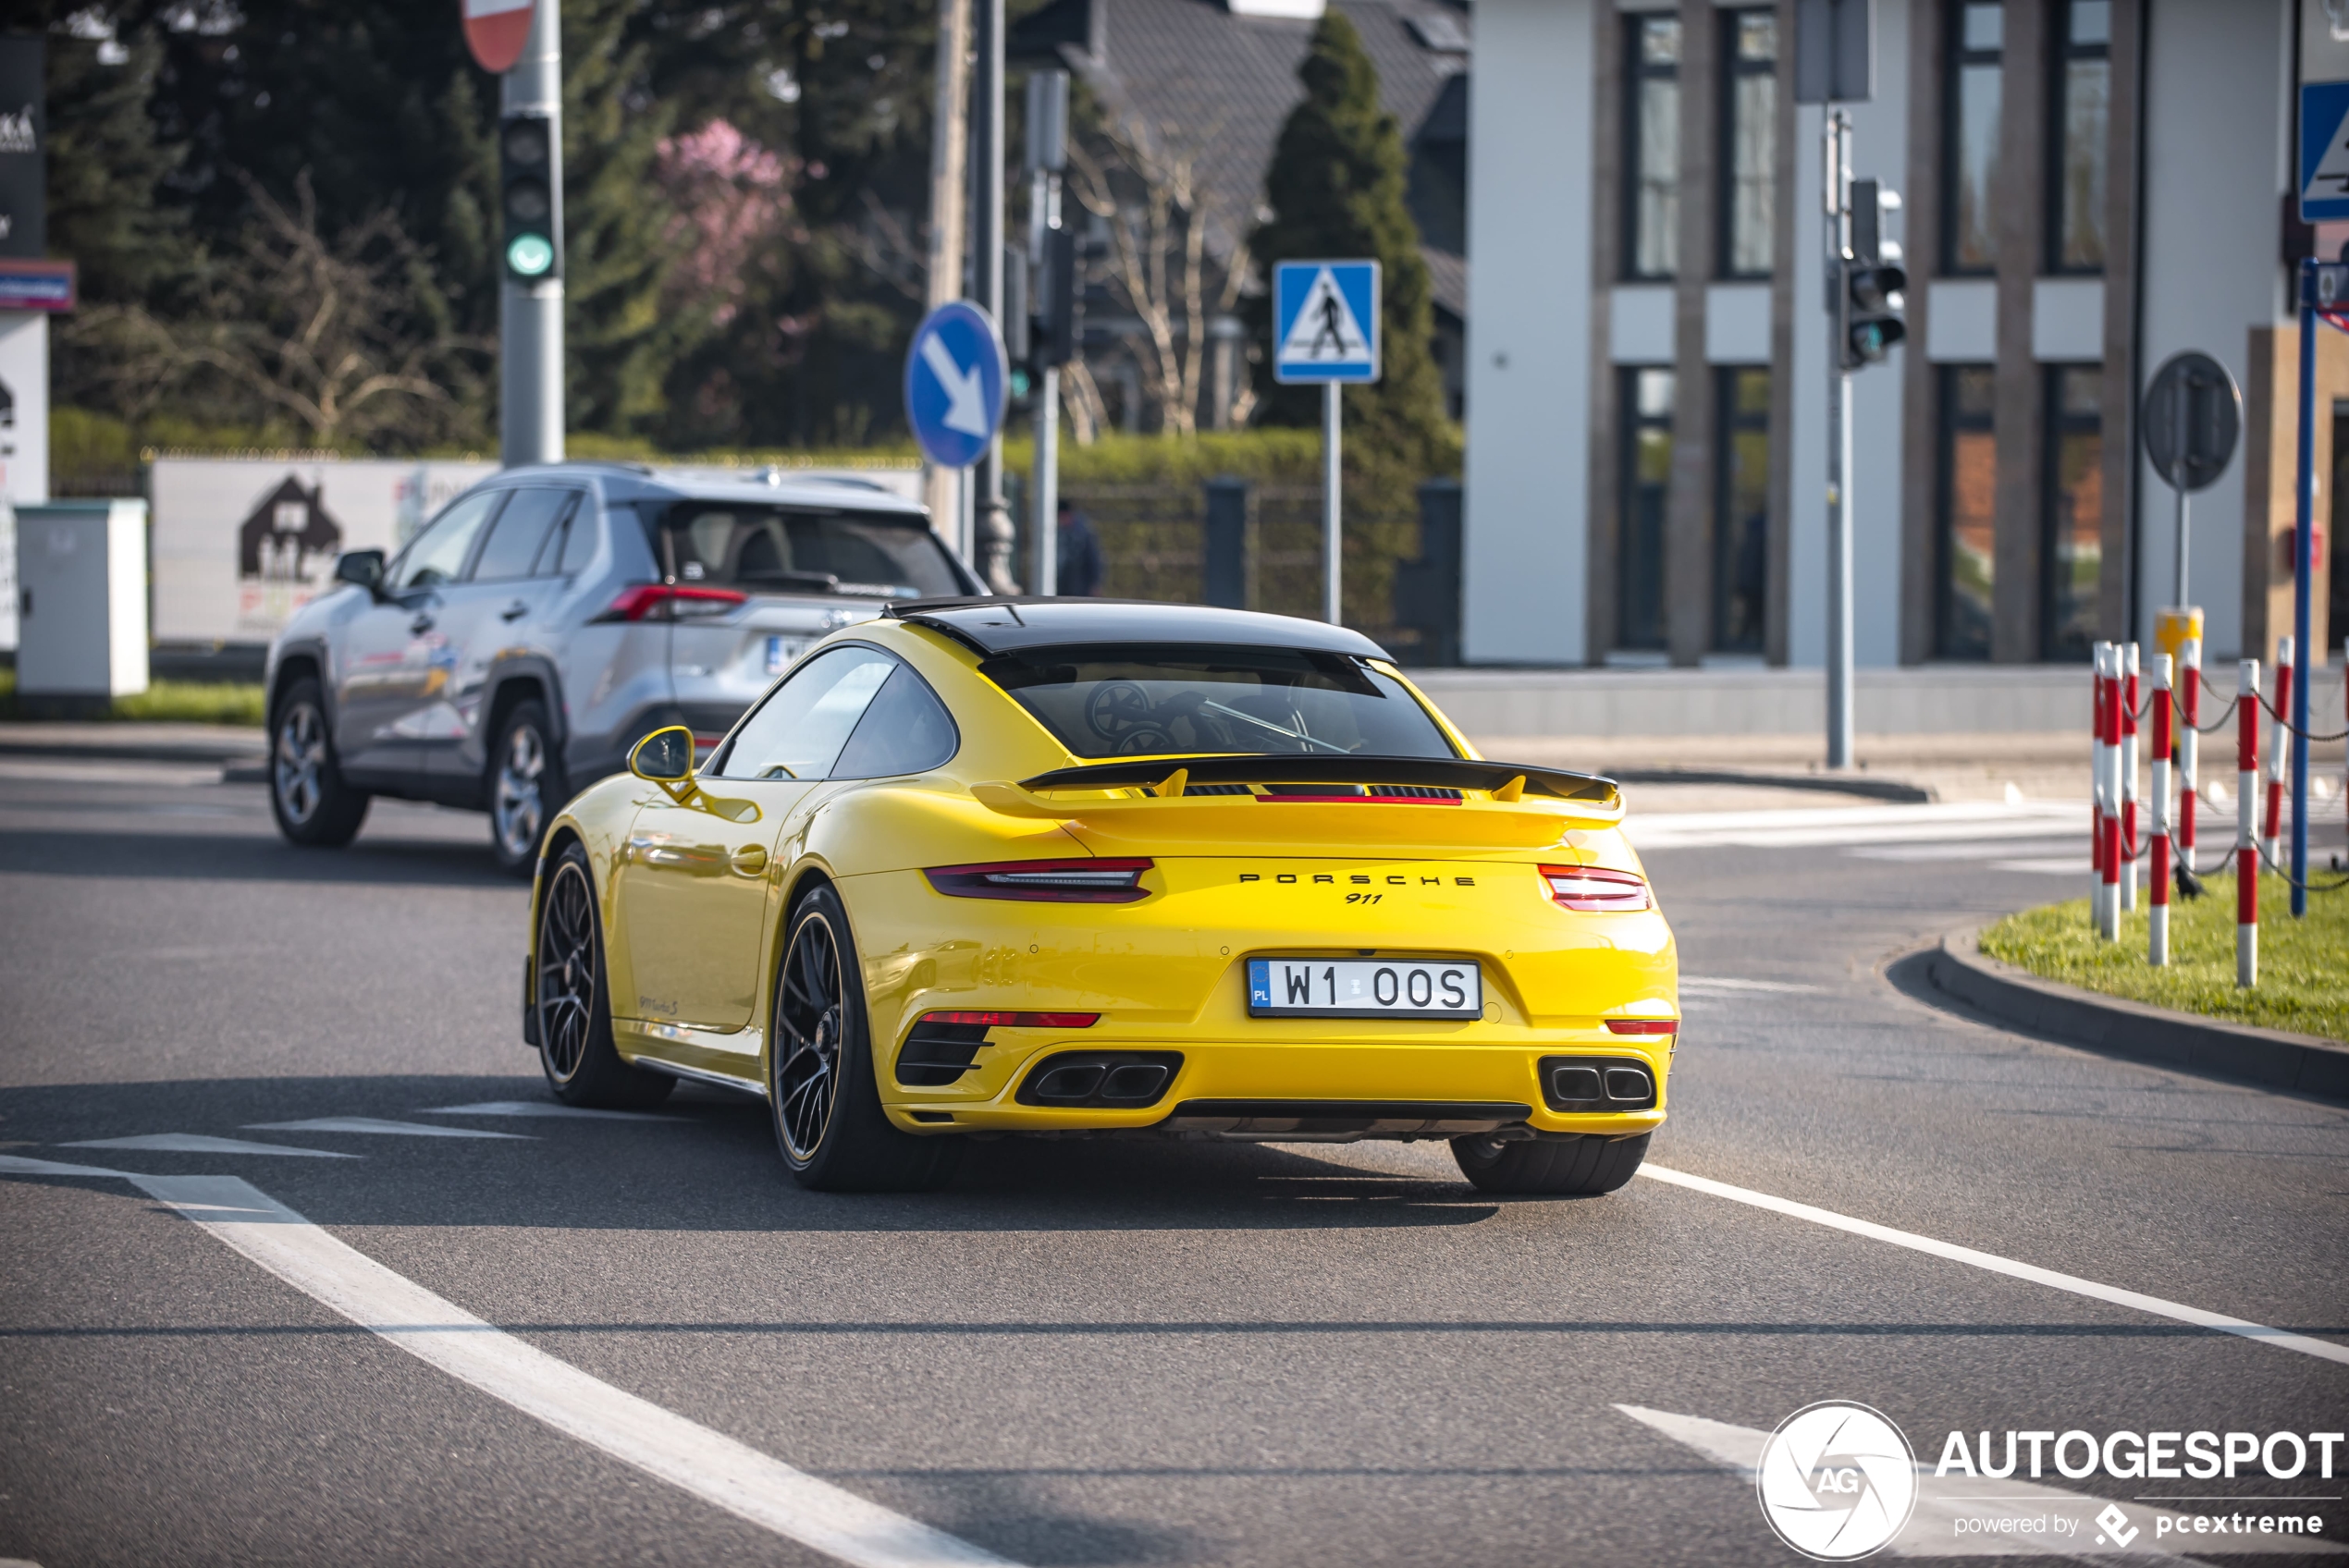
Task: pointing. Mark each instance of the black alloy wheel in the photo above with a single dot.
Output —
(307, 795)
(525, 787)
(573, 1014)
(829, 1121)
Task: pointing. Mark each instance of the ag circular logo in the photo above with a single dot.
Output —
(1836, 1481)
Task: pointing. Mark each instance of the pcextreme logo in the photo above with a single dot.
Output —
(1836, 1481)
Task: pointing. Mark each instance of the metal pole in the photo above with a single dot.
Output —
(1840, 672)
(949, 147)
(2303, 569)
(992, 521)
(1048, 483)
(530, 314)
(1332, 538)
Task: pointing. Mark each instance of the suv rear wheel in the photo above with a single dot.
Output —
(525, 787)
(308, 796)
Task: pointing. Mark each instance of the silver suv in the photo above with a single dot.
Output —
(548, 618)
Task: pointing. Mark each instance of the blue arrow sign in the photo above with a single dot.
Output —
(1326, 321)
(954, 381)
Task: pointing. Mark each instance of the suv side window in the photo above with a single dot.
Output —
(438, 555)
(519, 536)
(573, 545)
(800, 730)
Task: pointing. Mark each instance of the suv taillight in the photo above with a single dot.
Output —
(1592, 890)
(668, 601)
(1060, 881)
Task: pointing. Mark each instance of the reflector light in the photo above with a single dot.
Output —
(1058, 881)
(1643, 1026)
(1588, 889)
(664, 601)
(1016, 1020)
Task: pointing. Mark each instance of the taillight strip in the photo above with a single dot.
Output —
(1016, 1020)
(1593, 890)
(1055, 881)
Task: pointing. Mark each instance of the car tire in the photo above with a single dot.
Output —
(1567, 1164)
(820, 1087)
(313, 805)
(572, 1003)
(525, 787)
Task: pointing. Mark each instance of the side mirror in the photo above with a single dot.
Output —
(666, 757)
(362, 567)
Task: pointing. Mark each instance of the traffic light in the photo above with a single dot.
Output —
(530, 195)
(1874, 283)
(1058, 304)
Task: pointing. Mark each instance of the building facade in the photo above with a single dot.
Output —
(2085, 187)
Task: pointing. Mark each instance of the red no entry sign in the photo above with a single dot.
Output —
(495, 30)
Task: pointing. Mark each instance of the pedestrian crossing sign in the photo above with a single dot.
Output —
(1325, 322)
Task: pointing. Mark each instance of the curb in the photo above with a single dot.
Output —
(132, 748)
(2303, 1063)
(1825, 783)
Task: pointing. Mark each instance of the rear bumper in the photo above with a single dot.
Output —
(1407, 1088)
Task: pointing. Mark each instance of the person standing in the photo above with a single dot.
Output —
(1080, 566)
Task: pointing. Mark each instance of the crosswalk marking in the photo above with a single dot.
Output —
(204, 1142)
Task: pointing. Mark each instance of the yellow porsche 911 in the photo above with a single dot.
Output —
(1078, 867)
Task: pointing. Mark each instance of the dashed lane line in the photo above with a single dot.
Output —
(543, 1108)
(204, 1142)
(375, 1124)
(660, 1442)
(2137, 1301)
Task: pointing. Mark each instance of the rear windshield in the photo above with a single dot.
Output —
(1146, 700)
(784, 550)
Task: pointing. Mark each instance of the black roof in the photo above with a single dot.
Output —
(1010, 625)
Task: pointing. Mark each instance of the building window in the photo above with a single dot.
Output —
(1742, 515)
(1749, 120)
(2075, 556)
(1653, 137)
(1970, 177)
(1968, 555)
(2083, 85)
(1647, 484)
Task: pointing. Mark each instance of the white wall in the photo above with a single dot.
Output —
(2216, 91)
(1529, 335)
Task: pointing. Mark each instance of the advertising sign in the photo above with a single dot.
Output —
(242, 543)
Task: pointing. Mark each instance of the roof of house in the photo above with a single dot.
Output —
(1219, 85)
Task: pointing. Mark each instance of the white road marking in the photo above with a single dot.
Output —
(21, 1165)
(709, 1464)
(2135, 1301)
(2052, 865)
(1723, 982)
(202, 1143)
(1968, 820)
(374, 1124)
(541, 1107)
(1943, 1501)
(1966, 851)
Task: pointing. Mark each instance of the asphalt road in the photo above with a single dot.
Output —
(1081, 1352)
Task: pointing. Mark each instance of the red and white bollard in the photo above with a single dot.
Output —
(2129, 776)
(2247, 824)
(2158, 917)
(2189, 743)
(2279, 753)
(2095, 785)
(2109, 800)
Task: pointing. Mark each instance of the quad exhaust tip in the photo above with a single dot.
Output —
(1109, 1080)
(1597, 1083)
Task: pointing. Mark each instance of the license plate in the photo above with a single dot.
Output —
(781, 651)
(1364, 988)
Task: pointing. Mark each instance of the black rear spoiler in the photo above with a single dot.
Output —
(1458, 772)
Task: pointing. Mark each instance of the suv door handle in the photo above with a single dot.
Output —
(421, 625)
(749, 860)
(514, 611)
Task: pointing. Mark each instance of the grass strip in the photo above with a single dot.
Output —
(2304, 964)
(166, 701)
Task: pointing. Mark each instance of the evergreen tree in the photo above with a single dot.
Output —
(1336, 188)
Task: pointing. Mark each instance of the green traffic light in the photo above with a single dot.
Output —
(529, 255)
